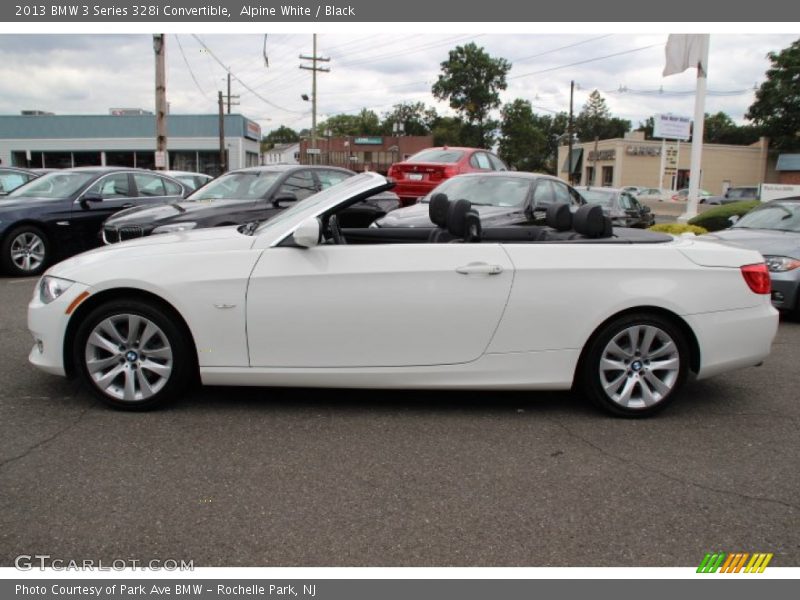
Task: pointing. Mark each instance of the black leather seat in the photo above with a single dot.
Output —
(590, 222)
(464, 222)
(559, 220)
(438, 208)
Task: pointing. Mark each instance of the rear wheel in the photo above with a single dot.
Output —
(132, 355)
(26, 251)
(635, 365)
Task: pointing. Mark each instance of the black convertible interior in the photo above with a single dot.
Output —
(457, 222)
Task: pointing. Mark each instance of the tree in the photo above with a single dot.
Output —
(595, 121)
(281, 135)
(447, 131)
(648, 126)
(365, 122)
(776, 108)
(523, 143)
(471, 80)
(415, 117)
(719, 128)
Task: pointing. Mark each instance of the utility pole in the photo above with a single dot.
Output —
(569, 132)
(222, 162)
(314, 68)
(229, 97)
(159, 40)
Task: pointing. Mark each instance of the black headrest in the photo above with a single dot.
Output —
(463, 221)
(590, 221)
(559, 216)
(437, 209)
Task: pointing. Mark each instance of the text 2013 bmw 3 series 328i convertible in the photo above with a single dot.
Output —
(621, 316)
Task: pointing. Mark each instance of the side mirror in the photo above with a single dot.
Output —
(732, 219)
(283, 197)
(307, 233)
(90, 197)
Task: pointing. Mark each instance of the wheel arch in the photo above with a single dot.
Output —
(46, 229)
(123, 293)
(677, 320)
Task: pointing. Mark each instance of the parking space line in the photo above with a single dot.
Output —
(23, 280)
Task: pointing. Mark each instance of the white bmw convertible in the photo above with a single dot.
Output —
(621, 316)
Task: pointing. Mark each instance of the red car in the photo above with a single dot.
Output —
(425, 170)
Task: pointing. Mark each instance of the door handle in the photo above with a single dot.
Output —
(128, 205)
(478, 268)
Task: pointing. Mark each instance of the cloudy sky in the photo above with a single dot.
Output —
(88, 74)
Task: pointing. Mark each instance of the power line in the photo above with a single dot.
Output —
(242, 83)
(188, 66)
(588, 60)
(411, 50)
(594, 39)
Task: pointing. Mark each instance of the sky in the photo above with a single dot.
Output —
(89, 74)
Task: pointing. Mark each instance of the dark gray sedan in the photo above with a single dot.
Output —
(774, 230)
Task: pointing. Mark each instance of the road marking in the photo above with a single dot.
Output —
(23, 280)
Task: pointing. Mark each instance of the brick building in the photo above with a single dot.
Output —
(362, 152)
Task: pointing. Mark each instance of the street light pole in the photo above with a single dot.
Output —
(569, 132)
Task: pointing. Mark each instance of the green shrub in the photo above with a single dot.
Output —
(678, 228)
(718, 218)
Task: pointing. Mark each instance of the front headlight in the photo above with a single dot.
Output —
(51, 288)
(781, 264)
(174, 227)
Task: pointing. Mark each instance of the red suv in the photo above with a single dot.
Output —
(425, 170)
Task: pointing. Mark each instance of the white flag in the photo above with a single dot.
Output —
(684, 51)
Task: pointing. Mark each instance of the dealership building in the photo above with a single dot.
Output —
(126, 139)
(633, 160)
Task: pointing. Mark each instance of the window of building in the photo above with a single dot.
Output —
(58, 160)
(86, 159)
(608, 176)
(120, 159)
(251, 159)
(183, 160)
(589, 176)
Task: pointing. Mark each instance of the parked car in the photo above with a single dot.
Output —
(623, 209)
(418, 175)
(61, 213)
(733, 194)
(774, 230)
(682, 195)
(13, 177)
(634, 190)
(242, 196)
(506, 198)
(286, 304)
(191, 180)
(654, 195)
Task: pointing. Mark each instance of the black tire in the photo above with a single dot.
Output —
(145, 372)
(649, 390)
(39, 250)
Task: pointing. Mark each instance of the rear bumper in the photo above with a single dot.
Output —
(733, 339)
(414, 189)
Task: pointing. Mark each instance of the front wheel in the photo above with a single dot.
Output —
(132, 355)
(26, 251)
(635, 365)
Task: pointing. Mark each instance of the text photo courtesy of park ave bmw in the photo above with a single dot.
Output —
(387, 297)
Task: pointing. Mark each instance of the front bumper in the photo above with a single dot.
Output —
(785, 289)
(48, 325)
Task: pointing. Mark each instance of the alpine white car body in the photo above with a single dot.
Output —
(275, 307)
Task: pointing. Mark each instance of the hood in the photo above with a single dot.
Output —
(172, 212)
(218, 239)
(767, 242)
(417, 216)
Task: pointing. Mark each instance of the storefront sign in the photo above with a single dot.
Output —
(643, 150)
(602, 155)
(368, 141)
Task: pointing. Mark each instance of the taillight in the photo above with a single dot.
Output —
(757, 278)
(451, 171)
(394, 172)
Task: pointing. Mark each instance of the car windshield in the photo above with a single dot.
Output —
(780, 216)
(57, 185)
(437, 155)
(310, 205)
(601, 197)
(244, 185)
(741, 193)
(485, 191)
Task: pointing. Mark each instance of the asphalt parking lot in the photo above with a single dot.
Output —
(260, 477)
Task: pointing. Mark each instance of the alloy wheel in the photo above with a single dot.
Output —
(27, 251)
